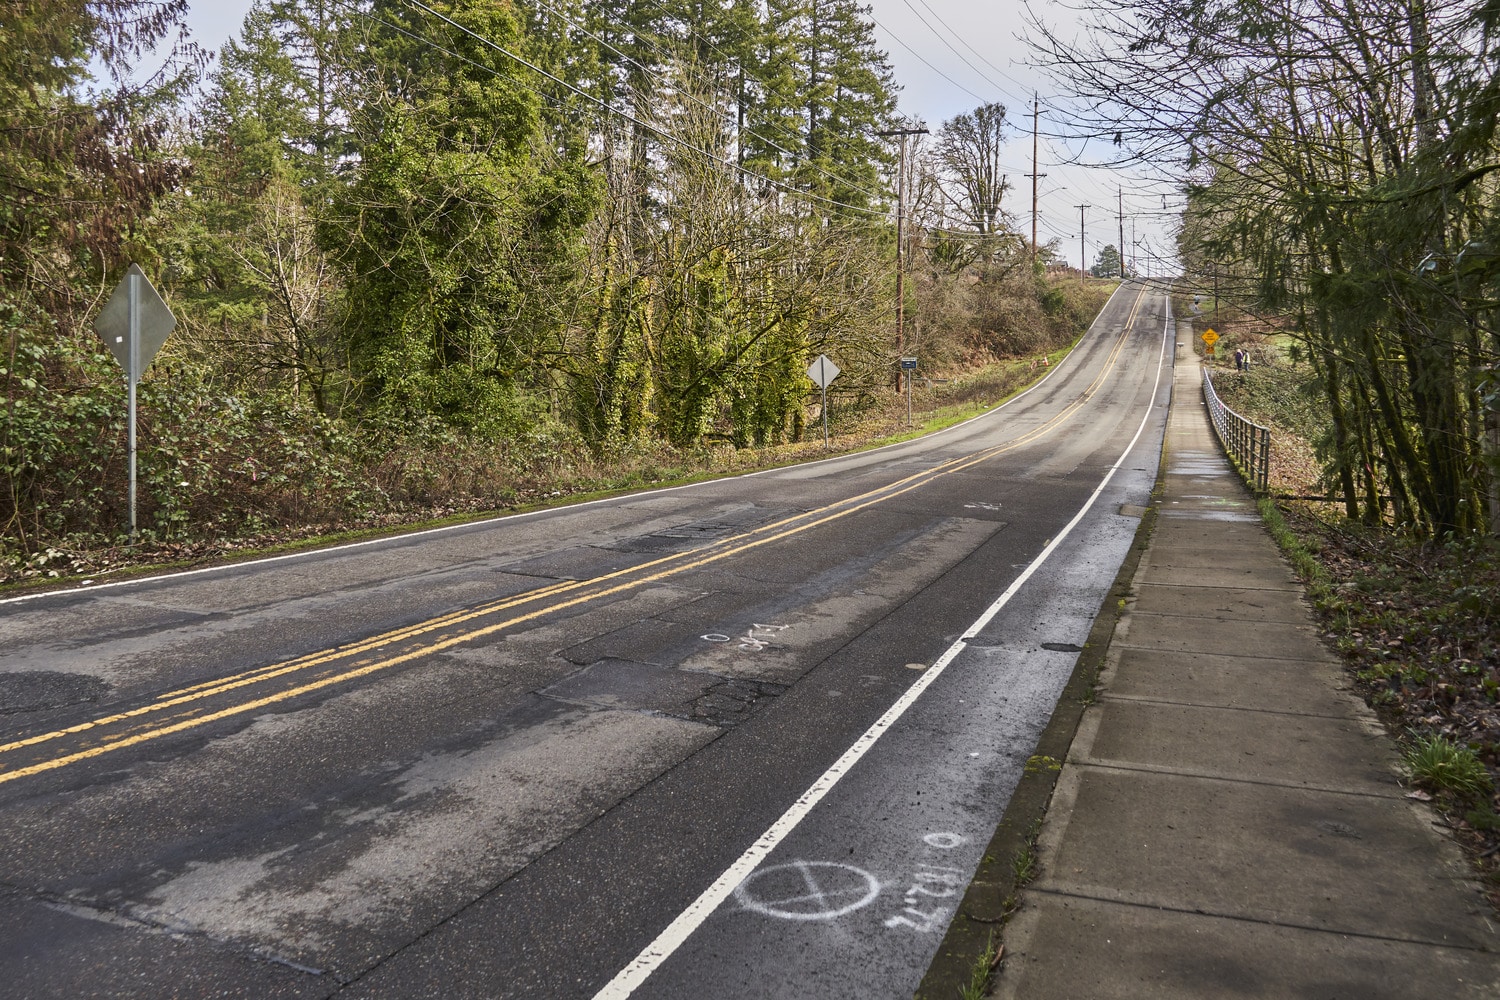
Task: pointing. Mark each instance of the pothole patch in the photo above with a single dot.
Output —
(691, 695)
(731, 702)
(39, 690)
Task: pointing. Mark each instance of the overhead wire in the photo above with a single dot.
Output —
(1011, 168)
(665, 54)
(897, 39)
(652, 127)
(936, 34)
(604, 105)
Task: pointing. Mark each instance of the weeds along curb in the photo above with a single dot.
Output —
(1314, 577)
(1009, 862)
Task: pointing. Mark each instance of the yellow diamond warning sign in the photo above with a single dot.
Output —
(1209, 337)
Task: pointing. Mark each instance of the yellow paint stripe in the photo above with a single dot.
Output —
(727, 547)
(273, 671)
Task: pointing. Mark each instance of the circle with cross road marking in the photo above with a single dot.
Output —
(808, 890)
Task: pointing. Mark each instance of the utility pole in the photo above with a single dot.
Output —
(902, 134)
(1122, 233)
(1036, 112)
(1083, 247)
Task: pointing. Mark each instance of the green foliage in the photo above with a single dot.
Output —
(208, 461)
(1370, 223)
(1445, 766)
(82, 160)
(450, 201)
(821, 92)
(1108, 264)
(979, 974)
(406, 267)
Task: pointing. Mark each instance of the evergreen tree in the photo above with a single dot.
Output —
(79, 170)
(825, 90)
(247, 275)
(1107, 264)
(458, 207)
(850, 96)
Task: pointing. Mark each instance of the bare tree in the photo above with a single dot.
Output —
(968, 150)
(1338, 157)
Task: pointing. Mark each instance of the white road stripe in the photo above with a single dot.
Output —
(689, 920)
(305, 553)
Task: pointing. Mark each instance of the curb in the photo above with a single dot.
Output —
(973, 938)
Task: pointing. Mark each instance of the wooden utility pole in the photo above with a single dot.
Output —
(1083, 245)
(1036, 112)
(1122, 233)
(902, 134)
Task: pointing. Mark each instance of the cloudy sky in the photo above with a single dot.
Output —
(949, 57)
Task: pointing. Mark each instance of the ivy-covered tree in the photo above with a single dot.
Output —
(456, 217)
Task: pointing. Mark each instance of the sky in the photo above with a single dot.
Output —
(950, 56)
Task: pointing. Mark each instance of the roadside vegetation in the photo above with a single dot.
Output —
(1415, 617)
(223, 475)
(432, 259)
(1338, 168)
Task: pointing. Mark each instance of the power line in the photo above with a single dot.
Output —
(699, 101)
(925, 23)
(627, 116)
(960, 37)
(897, 39)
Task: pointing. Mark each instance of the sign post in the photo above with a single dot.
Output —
(823, 371)
(1209, 339)
(133, 324)
(908, 365)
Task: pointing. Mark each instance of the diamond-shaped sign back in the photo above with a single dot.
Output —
(113, 322)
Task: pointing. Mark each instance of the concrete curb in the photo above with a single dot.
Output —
(991, 897)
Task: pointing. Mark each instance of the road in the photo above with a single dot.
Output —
(743, 738)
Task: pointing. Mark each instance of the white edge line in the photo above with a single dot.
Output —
(307, 553)
(689, 920)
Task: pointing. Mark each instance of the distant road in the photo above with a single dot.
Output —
(740, 739)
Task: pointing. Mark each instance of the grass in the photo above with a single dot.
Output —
(983, 969)
(1024, 866)
(1444, 766)
(1412, 618)
(1304, 562)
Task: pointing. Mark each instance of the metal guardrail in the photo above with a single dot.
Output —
(1247, 442)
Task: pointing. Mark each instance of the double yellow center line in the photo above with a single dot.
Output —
(194, 706)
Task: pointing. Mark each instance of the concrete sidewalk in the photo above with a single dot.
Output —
(1229, 820)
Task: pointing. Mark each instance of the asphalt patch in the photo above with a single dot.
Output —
(39, 690)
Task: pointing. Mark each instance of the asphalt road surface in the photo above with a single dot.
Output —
(740, 739)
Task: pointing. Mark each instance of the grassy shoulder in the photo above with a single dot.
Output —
(1413, 619)
(574, 476)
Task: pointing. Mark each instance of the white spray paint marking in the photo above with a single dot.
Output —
(689, 920)
(755, 639)
(944, 841)
(808, 890)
